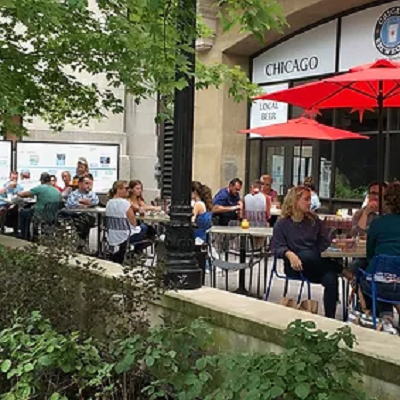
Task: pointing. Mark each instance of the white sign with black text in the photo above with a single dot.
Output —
(309, 54)
(265, 112)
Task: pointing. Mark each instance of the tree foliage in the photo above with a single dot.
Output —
(47, 46)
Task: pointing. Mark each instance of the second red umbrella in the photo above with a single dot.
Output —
(303, 129)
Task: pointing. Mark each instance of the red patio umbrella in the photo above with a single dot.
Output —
(303, 128)
(375, 85)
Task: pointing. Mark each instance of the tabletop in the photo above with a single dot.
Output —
(156, 218)
(89, 210)
(238, 231)
(356, 253)
(19, 200)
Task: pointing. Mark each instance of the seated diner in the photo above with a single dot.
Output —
(362, 220)
(384, 239)
(136, 198)
(82, 198)
(299, 239)
(120, 207)
(227, 205)
(9, 212)
(202, 206)
(45, 194)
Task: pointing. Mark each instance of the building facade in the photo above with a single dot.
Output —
(324, 37)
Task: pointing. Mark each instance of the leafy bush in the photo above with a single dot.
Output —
(51, 310)
(173, 361)
(37, 362)
(70, 290)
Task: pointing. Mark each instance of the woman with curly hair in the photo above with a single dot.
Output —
(202, 216)
(383, 238)
(299, 239)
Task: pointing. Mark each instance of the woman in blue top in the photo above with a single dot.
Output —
(202, 216)
(383, 238)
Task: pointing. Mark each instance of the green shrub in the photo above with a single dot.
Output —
(173, 361)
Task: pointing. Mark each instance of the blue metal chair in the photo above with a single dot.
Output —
(383, 268)
(301, 279)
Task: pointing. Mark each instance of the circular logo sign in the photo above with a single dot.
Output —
(387, 32)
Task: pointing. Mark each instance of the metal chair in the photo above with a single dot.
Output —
(121, 252)
(45, 221)
(384, 269)
(218, 255)
(301, 279)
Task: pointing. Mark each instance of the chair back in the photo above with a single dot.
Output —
(386, 268)
(116, 224)
(49, 214)
(117, 253)
(256, 218)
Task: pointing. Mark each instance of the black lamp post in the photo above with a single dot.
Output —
(183, 271)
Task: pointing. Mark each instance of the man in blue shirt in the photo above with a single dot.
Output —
(8, 212)
(83, 197)
(227, 204)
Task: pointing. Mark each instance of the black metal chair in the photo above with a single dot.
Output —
(45, 222)
(117, 253)
(219, 249)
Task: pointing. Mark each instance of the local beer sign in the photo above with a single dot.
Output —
(264, 112)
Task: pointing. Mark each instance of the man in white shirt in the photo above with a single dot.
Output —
(256, 207)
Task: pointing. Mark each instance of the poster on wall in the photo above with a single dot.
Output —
(5, 161)
(265, 112)
(33, 158)
(369, 35)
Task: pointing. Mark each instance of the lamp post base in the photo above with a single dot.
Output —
(183, 271)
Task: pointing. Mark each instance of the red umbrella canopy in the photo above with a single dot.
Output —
(359, 88)
(304, 128)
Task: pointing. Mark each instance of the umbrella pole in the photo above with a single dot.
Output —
(380, 146)
(299, 167)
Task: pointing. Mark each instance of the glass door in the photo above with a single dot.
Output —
(305, 161)
(273, 163)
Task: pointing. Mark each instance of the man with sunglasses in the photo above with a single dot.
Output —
(361, 222)
(363, 218)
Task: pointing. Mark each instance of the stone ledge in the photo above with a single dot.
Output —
(266, 321)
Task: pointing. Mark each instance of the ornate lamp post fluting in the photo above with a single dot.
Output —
(182, 268)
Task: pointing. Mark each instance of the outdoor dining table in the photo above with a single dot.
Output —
(358, 252)
(154, 218)
(263, 232)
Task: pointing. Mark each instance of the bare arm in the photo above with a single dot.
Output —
(130, 214)
(26, 193)
(224, 209)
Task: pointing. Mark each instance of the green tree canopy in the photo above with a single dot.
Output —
(45, 45)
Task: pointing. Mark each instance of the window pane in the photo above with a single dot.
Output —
(356, 166)
(394, 166)
(351, 120)
(306, 163)
(325, 170)
(273, 164)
